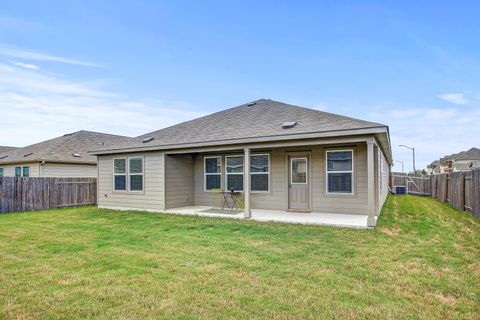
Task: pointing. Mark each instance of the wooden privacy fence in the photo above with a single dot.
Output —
(460, 189)
(29, 194)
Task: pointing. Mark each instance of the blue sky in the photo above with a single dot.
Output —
(116, 67)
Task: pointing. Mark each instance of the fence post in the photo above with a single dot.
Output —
(475, 186)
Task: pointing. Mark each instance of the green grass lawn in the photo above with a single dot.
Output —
(421, 262)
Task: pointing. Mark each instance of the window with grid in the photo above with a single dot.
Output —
(212, 173)
(135, 173)
(340, 171)
(259, 172)
(120, 174)
(234, 172)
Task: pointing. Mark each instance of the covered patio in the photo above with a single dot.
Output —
(294, 184)
(310, 218)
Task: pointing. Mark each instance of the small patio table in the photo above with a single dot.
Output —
(234, 195)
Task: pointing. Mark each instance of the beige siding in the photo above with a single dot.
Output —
(68, 170)
(276, 199)
(384, 179)
(354, 204)
(152, 198)
(9, 169)
(179, 181)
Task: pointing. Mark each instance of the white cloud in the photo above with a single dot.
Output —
(18, 53)
(36, 106)
(455, 98)
(25, 65)
(434, 132)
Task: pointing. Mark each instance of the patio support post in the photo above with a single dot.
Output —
(246, 183)
(371, 183)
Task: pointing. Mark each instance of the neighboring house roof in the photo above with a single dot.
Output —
(4, 149)
(261, 119)
(433, 165)
(472, 154)
(69, 148)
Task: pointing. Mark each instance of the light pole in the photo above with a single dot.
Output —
(413, 150)
(401, 163)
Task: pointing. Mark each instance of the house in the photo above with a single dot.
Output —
(467, 160)
(65, 156)
(462, 161)
(278, 156)
(433, 167)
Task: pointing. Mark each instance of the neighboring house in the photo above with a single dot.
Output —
(463, 161)
(65, 156)
(467, 160)
(280, 156)
(433, 167)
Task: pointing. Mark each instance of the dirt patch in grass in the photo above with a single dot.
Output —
(448, 300)
(393, 232)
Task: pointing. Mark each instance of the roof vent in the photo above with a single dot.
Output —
(251, 104)
(67, 134)
(3, 157)
(289, 124)
(28, 154)
(147, 139)
(77, 155)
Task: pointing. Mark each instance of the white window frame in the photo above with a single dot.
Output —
(352, 172)
(205, 174)
(120, 174)
(252, 173)
(15, 171)
(235, 173)
(136, 174)
(306, 170)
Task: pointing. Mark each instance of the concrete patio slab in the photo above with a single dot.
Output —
(315, 218)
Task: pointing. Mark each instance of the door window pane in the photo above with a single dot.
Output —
(299, 170)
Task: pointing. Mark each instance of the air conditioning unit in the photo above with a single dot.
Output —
(400, 190)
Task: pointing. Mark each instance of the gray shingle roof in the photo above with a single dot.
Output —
(61, 149)
(472, 154)
(262, 118)
(4, 149)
